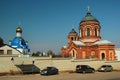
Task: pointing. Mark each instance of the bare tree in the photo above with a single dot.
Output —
(50, 53)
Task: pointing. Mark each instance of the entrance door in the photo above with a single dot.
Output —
(73, 54)
(103, 56)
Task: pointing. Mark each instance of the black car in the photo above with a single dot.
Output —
(84, 69)
(49, 71)
(105, 68)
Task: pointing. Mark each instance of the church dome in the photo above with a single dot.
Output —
(19, 43)
(19, 29)
(73, 31)
(89, 17)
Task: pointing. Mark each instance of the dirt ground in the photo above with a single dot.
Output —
(66, 76)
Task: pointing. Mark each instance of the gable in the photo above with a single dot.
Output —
(7, 49)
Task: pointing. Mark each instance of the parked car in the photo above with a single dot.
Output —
(105, 68)
(84, 69)
(49, 71)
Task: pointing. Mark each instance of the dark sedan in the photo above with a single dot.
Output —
(49, 71)
(84, 69)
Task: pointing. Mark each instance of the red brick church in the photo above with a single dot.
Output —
(87, 44)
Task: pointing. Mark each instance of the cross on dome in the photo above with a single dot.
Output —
(88, 8)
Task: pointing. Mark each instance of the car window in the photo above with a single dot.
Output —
(109, 66)
(103, 66)
(88, 67)
(77, 66)
(49, 67)
(85, 67)
(53, 68)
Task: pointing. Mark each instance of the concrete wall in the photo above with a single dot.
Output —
(7, 66)
(64, 65)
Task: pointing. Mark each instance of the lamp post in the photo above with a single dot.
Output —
(33, 66)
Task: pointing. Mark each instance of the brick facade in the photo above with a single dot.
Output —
(88, 43)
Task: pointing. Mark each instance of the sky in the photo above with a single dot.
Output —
(46, 23)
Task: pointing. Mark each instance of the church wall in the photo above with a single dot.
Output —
(108, 50)
(111, 55)
(96, 52)
(64, 54)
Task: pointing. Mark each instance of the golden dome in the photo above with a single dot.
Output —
(19, 29)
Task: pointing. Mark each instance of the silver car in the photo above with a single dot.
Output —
(105, 68)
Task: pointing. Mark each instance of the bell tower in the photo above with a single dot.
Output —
(72, 36)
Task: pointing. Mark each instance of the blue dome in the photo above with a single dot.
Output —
(19, 42)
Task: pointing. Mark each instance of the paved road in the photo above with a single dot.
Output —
(67, 76)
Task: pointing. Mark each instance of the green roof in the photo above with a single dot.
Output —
(72, 31)
(89, 17)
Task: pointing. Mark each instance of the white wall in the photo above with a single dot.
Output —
(117, 52)
(14, 51)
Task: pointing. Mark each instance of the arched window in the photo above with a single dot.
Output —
(95, 32)
(72, 38)
(88, 31)
(73, 54)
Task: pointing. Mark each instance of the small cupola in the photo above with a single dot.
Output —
(19, 29)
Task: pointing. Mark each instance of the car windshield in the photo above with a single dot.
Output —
(109, 66)
(103, 66)
(88, 67)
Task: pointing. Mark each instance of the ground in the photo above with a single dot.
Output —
(66, 76)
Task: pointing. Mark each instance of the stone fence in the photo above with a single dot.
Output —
(63, 64)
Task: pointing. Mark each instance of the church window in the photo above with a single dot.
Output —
(9, 52)
(88, 31)
(72, 38)
(95, 32)
(73, 54)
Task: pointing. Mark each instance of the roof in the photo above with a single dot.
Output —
(64, 46)
(102, 42)
(73, 31)
(89, 17)
(8, 47)
(19, 43)
(78, 43)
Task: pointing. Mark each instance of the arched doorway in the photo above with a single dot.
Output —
(73, 54)
(103, 56)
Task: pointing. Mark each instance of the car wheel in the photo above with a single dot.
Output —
(105, 70)
(93, 71)
(83, 72)
(111, 70)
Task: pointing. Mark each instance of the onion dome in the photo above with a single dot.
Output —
(19, 29)
(73, 31)
(1, 42)
(89, 17)
(19, 43)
